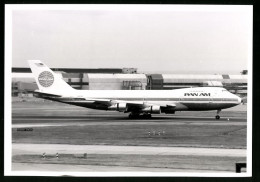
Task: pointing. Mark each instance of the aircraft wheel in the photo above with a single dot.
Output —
(147, 116)
(130, 116)
(217, 117)
(133, 116)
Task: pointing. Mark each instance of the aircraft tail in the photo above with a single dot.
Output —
(48, 81)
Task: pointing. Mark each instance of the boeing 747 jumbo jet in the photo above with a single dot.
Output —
(136, 102)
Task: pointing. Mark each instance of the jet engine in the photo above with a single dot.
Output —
(121, 107)
(152, 109)
(170, 108)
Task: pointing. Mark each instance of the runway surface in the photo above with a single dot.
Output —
(19, 149)
(65, 115)
(72, 130)
(157, 152)
(106, 170)
(84, 121)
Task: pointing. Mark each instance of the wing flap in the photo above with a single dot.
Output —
(171, 105)
(106, 102)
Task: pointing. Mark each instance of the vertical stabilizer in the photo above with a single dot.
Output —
(48, 81)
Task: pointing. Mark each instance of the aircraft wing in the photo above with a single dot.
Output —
(109, 102)
(130, 105)
(106, 102)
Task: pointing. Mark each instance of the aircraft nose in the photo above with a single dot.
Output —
(239, 100)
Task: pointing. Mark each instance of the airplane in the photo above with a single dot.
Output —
(138, 103)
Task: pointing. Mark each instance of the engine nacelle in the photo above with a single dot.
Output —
(121, 107)
(152, 109)
(170, 109)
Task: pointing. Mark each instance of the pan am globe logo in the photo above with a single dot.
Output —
(46, 79)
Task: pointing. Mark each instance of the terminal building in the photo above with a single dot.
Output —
(234, 83)
(128, 79)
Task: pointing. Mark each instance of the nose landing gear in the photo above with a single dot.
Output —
(217, 116)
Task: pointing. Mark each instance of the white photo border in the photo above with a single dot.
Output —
(8, 104)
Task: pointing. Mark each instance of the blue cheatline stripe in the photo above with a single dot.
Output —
(163, 99)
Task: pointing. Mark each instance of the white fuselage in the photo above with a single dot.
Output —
(200, 98)
(53, 87)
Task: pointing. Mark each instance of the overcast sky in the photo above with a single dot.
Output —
(155, 39)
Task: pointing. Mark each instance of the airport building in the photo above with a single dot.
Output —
(85, 79)
(128, 79)
(98, 81)
(234, 83)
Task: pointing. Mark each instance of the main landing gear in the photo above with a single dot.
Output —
(147, 116)
(133, 115)
(217, 116)
(137, 115)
